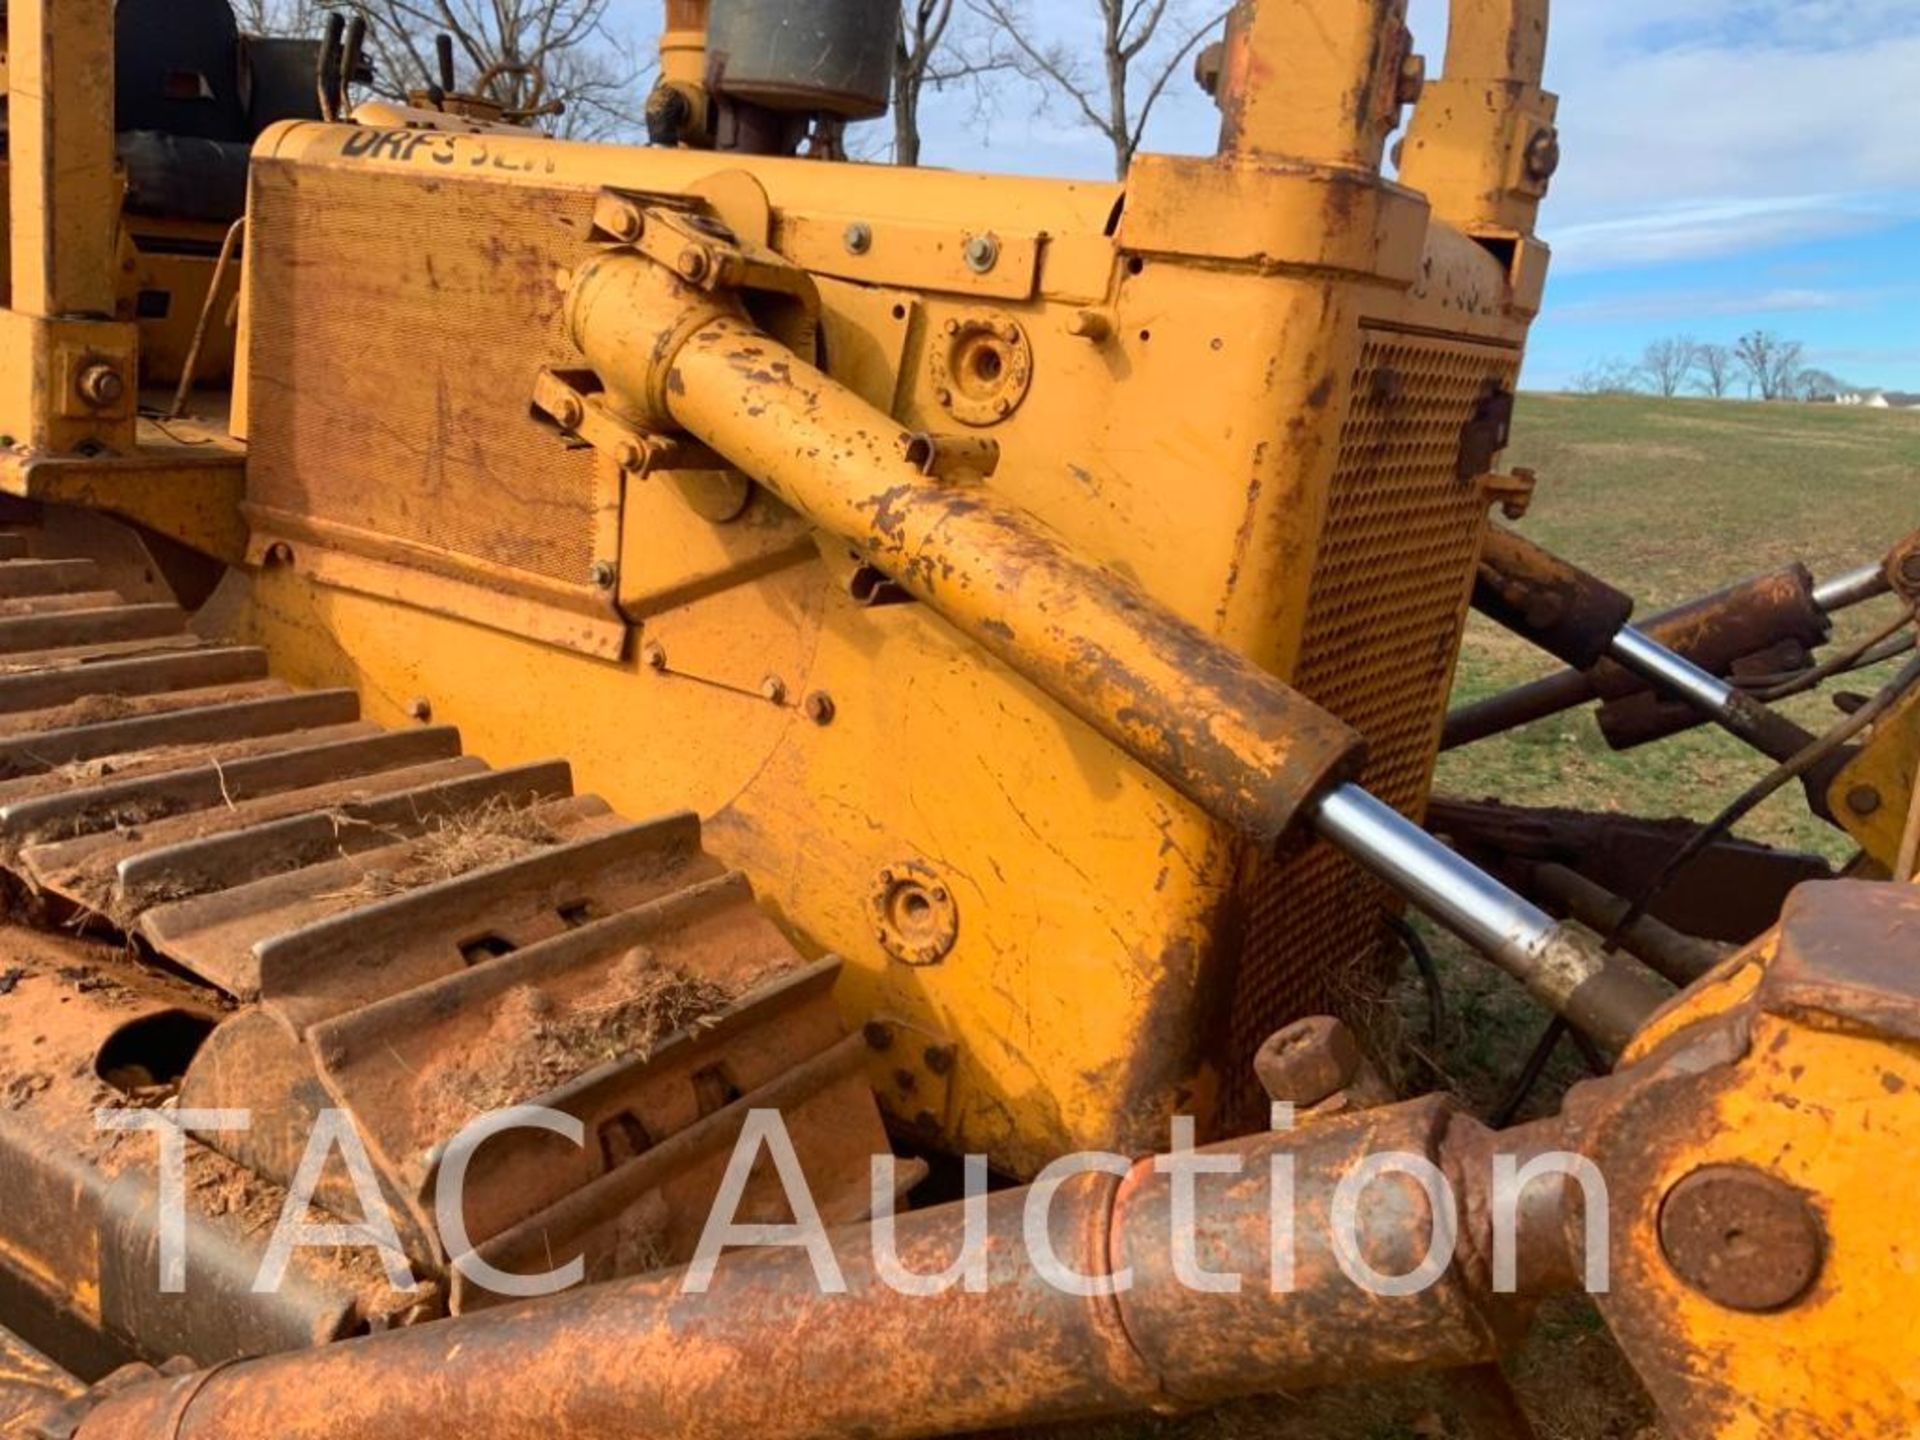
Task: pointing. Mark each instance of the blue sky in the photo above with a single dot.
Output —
(1730, 164)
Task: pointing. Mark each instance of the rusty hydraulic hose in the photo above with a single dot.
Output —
(1223, 732)
(765, 1352)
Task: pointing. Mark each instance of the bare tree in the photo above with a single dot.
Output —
(1714, 366)
(280, 17)
(1816, 385)
(1771, 363)
(1144, 44)
(931, 51)
(1607, 377)
(1667, 363)
(532, 54)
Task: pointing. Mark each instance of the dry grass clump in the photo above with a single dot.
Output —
(483, 838)
(535, 1043)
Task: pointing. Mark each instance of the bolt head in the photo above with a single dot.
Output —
(693, 264)
(654, 654)
(774, 689)
(859, 238)
(102, 384)
(570, 412)
(1089, 325)
(983, 253)
(820, 708)
(1413, 79)
(1864, 800)
(604, 574)
(420, 708)
(1543, 156)
(878, 1034)
(625, 224)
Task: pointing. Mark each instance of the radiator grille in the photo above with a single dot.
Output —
(397, 326)
(1382, 634)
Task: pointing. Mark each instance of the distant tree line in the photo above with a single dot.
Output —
(1767, 366)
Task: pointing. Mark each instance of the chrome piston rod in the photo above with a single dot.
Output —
(1739, 714)
(1856, 587)
(1607, 997)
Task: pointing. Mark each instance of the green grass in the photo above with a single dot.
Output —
(1669, 500)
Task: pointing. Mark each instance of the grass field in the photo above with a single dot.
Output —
(1669, 500)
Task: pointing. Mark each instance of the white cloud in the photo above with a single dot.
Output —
(1665, 304)
(1714, 127)
(1715, 227)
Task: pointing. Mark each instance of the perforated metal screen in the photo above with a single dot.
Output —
(1383, 629)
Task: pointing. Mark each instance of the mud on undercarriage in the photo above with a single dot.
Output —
(232, 895)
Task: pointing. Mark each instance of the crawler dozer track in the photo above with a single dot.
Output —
(327, 915)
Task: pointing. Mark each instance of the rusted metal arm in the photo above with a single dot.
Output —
(1715, 633)
(765, 1352)
(1582, 620)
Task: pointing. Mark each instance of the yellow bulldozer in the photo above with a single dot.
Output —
(960, 664)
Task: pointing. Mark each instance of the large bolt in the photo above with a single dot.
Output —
(1090, 325)
(100, 384)
(1543, 156)
(819, 708)
(694, 264)
(626, 224)
(1864, 800)
(1308, 1062)
(1740, 1237)
(1413, 79)
(859, 238)
(773, 688)
(983, 253)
